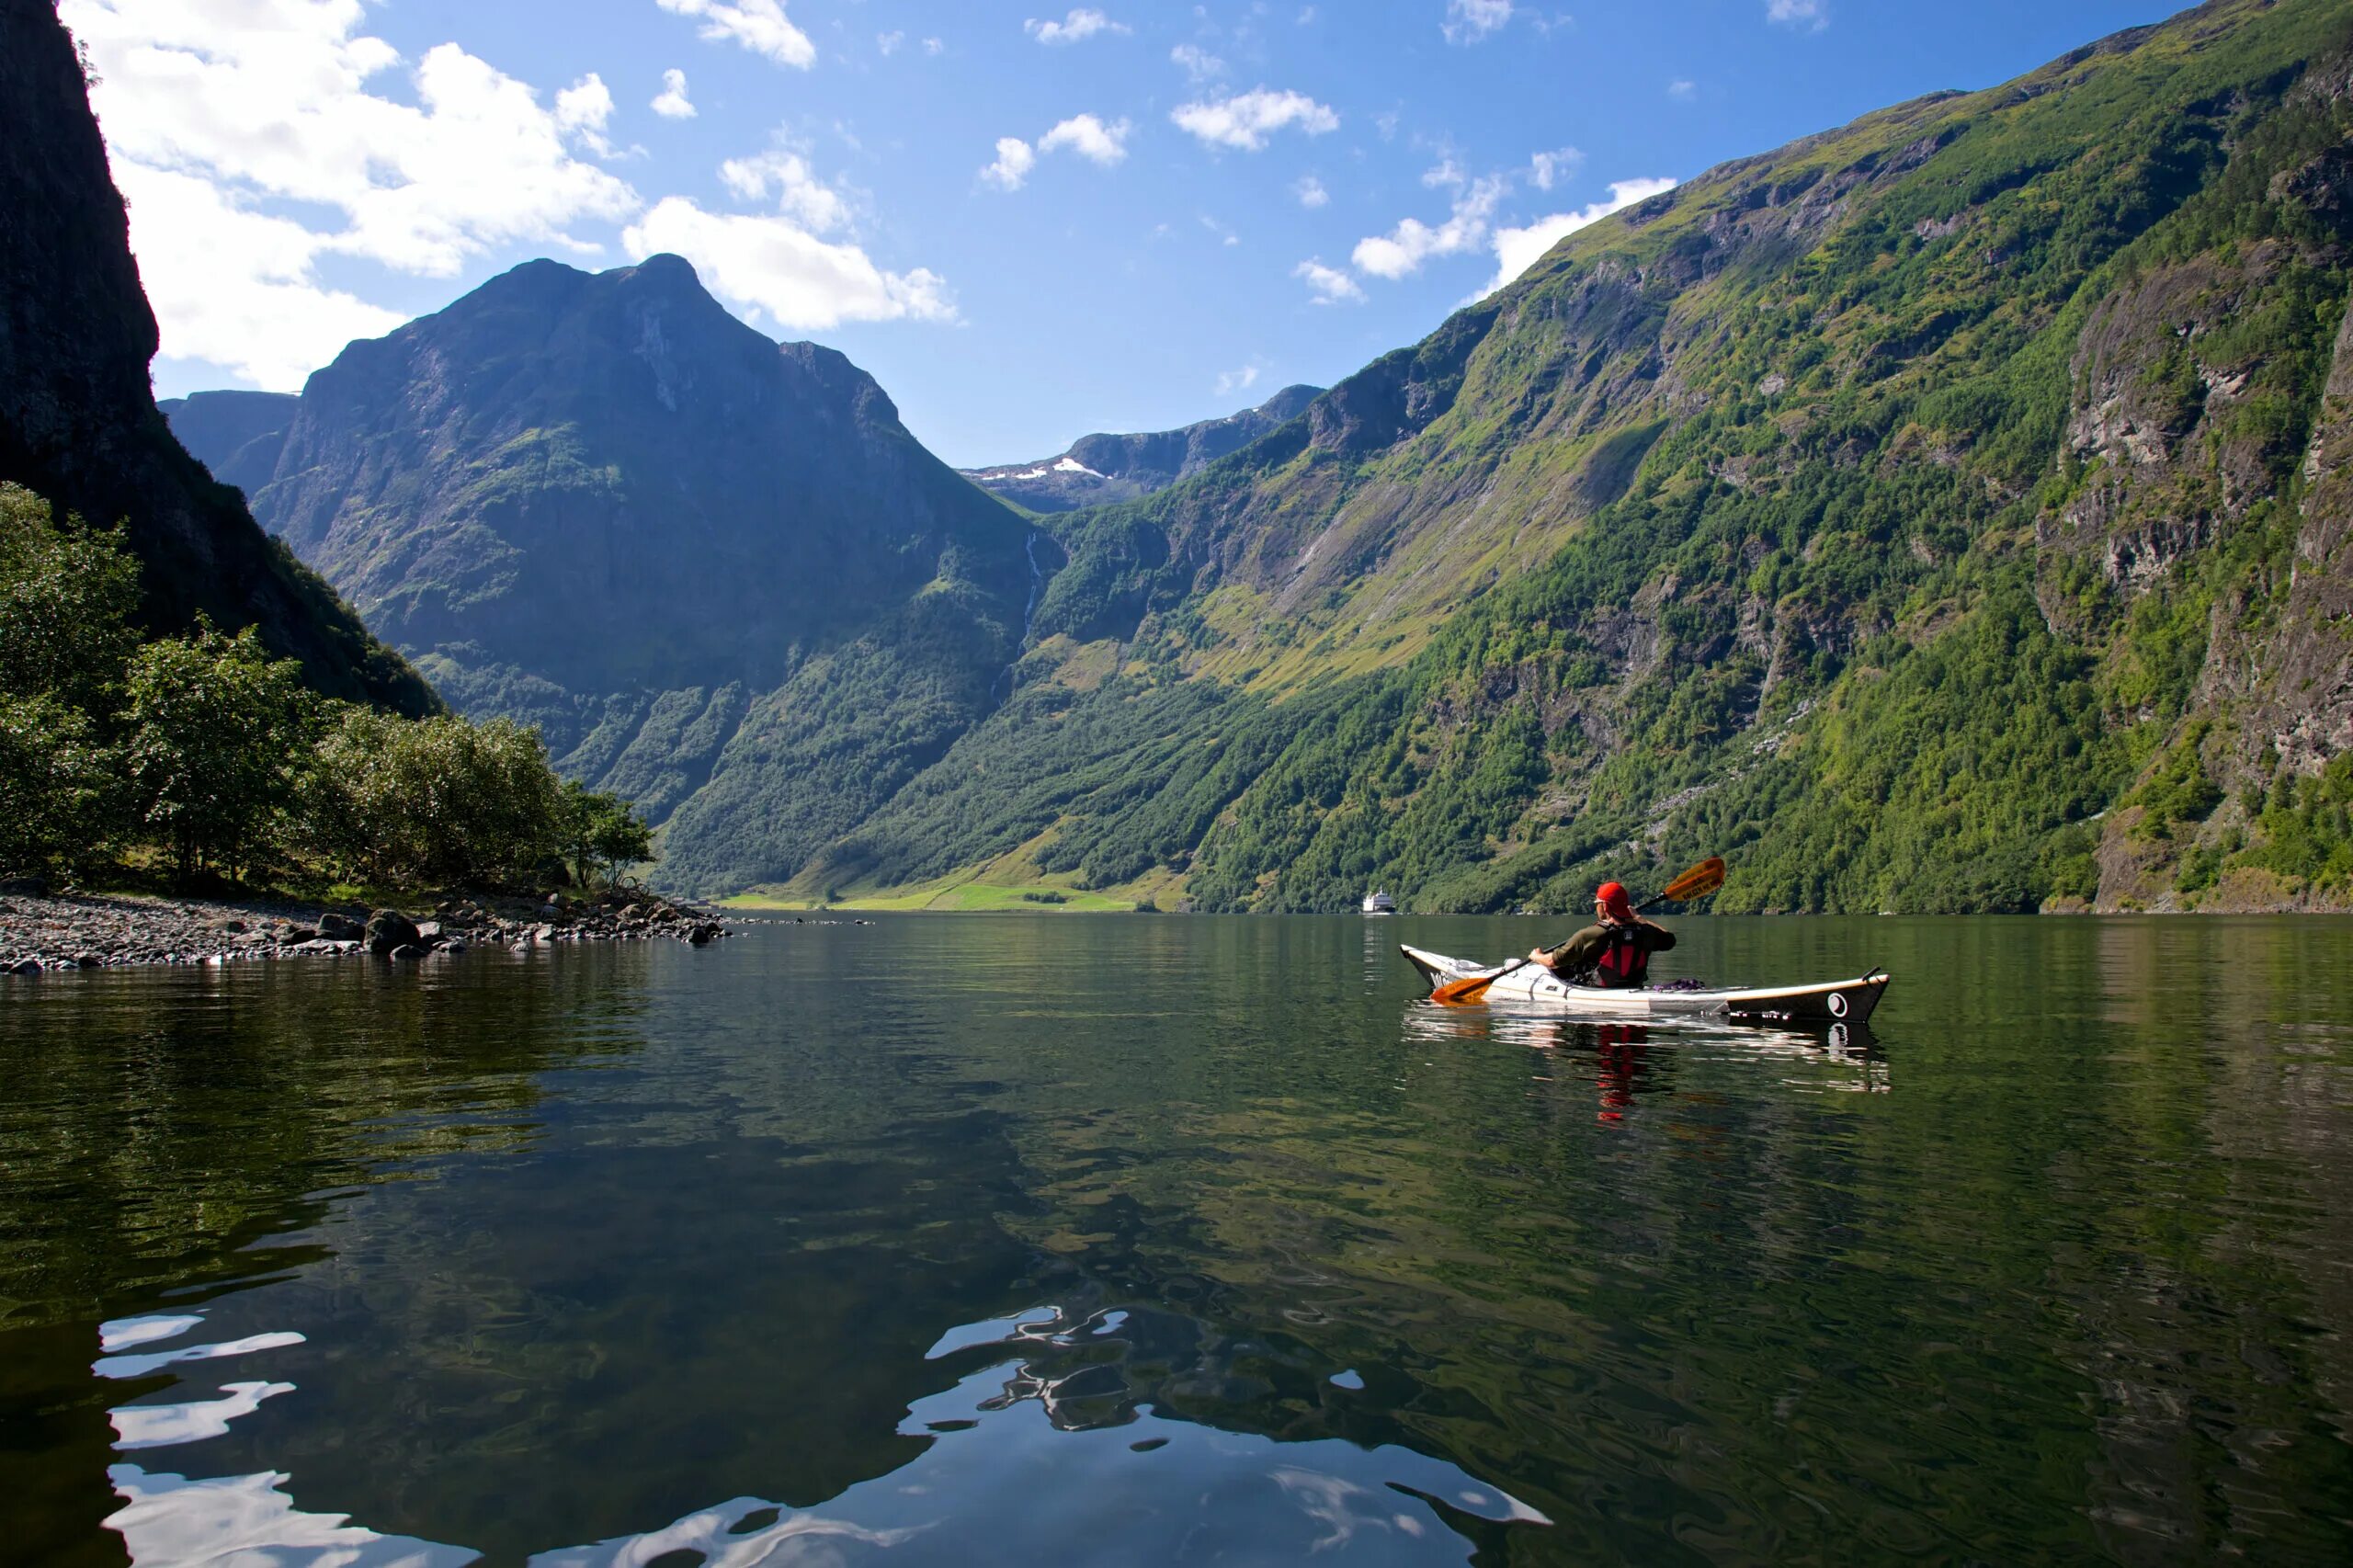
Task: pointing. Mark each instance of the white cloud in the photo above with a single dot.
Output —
(235, 287)
(269, 99)
(759, 26)
(1548, 169)
(1014, 161)
(1811, 14)
(1232, 381)
(582, 110)
(256, 139)
(1310, 192)
(1331, 286)
(1402, 251)
(776, 268)
(1246, 119)
(935, 46)
(1198, 64)
(1683, 89)
(1090, 138)
(1516, 250)
(1448, 173)
(799, 194)
(672, 103)
(1083, 23)
(1468, 21)
(1225, 236)
(889, 43)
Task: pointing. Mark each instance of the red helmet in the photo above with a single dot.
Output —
(1612, 897)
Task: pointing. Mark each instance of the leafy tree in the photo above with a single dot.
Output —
(215, 751)
(57, 786)
(215, 734)
(601, 834)
(439, 801)
(66, 597)
(2307, 829)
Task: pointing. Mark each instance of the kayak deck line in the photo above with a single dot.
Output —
(1823, 1002)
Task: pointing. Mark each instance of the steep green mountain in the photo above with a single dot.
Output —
(1948, 511)
(78, 422)
(717, 572)
(1101, 469)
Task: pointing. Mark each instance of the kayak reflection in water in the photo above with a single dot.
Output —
(1624, 1050)
(1623, 1064)
(1614, 952)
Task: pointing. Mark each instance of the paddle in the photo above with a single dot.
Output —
(1697, 882)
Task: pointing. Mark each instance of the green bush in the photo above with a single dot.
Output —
(2306, 829)
(220, 755)
(67, 593)
(58, 795)
(215, 734)
(601, 834)
(433, 801)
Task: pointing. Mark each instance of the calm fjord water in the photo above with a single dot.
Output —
(1058, 1239)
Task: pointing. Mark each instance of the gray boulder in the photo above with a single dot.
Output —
(388, 929)
(340, 928)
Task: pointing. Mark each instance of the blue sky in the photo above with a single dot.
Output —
(1028, 222)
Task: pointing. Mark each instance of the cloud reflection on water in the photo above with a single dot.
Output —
(169, 1520)
(1031, 1458)
(1009, 1481)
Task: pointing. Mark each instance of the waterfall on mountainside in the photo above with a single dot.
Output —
(1029, 614)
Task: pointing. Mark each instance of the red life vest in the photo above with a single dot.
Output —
(1624, 962)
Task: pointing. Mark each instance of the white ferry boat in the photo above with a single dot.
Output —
(1379, 902)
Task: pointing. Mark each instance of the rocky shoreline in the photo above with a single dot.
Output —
(41, 932)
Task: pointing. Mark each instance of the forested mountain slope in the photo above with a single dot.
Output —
(1948, 511)
(1101, 469)
(78, 422)
(716, 570)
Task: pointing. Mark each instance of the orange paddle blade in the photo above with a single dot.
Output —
(1697, 882)
(1473, 988)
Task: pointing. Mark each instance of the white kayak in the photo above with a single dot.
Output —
(1831, 1002)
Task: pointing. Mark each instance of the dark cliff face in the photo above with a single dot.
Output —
(78, 422)
(716, 570)
(1105, 468)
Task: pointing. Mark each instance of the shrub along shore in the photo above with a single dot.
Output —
(198, 761)
(41, 932)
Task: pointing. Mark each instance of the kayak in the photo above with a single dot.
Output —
(1830, 1002)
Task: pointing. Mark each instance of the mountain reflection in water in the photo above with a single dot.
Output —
(1052, 1239)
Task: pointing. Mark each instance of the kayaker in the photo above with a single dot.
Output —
(1614, 952)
